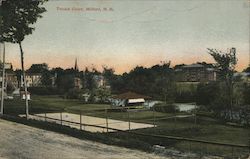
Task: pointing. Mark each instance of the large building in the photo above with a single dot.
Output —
(199, 72)
(33, 79)
(11, 80)
(33, 75)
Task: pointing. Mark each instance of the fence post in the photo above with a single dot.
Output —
(45, 116)
(195, 116)
(154, 116)
(174, 118)
(232, 151)
(80, 120)
(61, 117)
(249, 146)
(107, 124)
(189, 146)
(128, 119)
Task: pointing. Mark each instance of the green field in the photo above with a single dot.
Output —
(205, 129)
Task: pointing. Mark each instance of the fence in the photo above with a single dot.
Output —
(145, 124)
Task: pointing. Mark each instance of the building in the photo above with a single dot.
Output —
(129, 99)
(100, 81)
(78, 83)
(33, 79)
(22, 95)
(199, 72)
(10, 77)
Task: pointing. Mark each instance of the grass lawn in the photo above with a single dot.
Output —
(205, 129)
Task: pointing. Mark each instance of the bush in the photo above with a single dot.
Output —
(73, 94)
(185, 97)
(44, 90)
(207, 93)
(166, 108)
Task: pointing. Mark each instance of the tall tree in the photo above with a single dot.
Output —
(247, 69)
(38, 68)
(225, 64)
(17, 17)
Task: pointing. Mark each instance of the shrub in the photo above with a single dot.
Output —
(43, 90)
(73, 94)
(166, 108)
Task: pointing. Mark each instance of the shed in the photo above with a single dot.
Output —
(129, 99)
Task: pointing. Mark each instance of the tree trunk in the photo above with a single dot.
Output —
(3, 81)
(24, 82)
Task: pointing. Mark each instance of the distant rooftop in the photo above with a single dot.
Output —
(193, 65)
(130, 95)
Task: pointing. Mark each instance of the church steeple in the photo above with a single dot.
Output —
(76, 66)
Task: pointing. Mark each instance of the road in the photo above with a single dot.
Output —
(21, 141)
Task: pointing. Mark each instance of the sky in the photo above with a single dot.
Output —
(123, 34)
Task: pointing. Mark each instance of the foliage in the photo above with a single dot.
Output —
(101, 94)
(10, 88)
(166, 108)
(246, 94)
(38, 68)
(46, 78)
(44, 91)
(185, 92)
(73, 94)
(207, 93)
(157, 81)
(245, 115)
(44, 70)
(17, 19)
(247, 69)
(225, 65)
(66, 82)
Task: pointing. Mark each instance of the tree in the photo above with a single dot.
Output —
(46, 78)
(17, 18)
(247, 69)
(157, 81)
(225, 65)
(44, 70)
(38, 68)
(246, 94)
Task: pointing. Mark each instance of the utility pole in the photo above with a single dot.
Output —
(3, 80)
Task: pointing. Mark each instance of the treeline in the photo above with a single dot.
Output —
(157, 81)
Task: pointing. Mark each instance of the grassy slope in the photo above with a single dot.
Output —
(206, 129)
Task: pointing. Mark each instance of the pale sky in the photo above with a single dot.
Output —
(135, 32)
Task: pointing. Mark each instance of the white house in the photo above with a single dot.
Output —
(33, 79)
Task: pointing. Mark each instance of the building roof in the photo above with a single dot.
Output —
(130, 95)
(193, 66)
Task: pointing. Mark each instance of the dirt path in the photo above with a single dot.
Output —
(20, 141)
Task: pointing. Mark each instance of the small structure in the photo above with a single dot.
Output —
(22, 95)
(86, 97)
(129, 99)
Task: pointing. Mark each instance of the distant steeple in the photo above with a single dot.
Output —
(76, 66)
